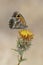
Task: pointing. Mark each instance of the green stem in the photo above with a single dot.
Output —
(19, 63)
(20, 60)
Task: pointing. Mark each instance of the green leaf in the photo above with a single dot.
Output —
(15, 50)
(23, 59)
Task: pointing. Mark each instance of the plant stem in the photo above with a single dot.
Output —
(20, 60)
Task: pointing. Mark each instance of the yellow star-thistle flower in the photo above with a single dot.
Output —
(26, 34)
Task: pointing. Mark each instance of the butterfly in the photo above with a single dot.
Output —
(17, 21)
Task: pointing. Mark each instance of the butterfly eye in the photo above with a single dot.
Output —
(18, 16)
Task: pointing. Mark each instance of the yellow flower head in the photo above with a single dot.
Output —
(25, 34)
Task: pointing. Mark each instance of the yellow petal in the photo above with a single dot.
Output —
(26, 34)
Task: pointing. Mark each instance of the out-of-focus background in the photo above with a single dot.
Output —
(32, 10)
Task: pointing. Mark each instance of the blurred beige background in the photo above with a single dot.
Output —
(32, 10)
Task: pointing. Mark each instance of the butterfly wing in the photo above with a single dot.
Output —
(11, 23)
(17, 21)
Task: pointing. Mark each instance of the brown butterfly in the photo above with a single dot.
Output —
(17, 21)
